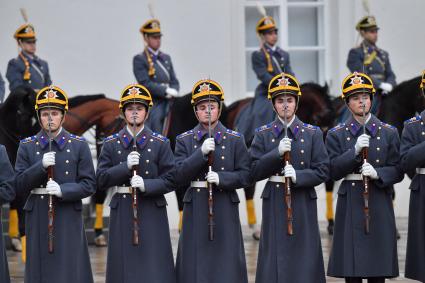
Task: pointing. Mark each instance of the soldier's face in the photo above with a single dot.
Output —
(153, 41)
(357, 102)
(285, 106)
(270, 37)
(54, 117)
(28, 45)
(135, 111)
(203, 113)
(370, 35)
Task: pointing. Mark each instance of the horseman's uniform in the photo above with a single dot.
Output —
(154, 70)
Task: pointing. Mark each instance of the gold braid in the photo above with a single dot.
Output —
(27, 74)
(150, 62)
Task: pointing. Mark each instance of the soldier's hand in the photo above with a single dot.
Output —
(137, 182)
(133, 159)
(362, 141)
(171, 91)
(53, 189)
(212, 178)
(208, 146)
(284, 145)
(49, 159)
(290, 173)
(368, 170)
(386, 87)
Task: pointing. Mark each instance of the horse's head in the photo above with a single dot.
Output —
(316, 106)
(19, 113)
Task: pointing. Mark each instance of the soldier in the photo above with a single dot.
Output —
(56, 168)
(211, 157)
(136, 162)
(154, 69)
(27, 69)
(290, 248)
(364, 152)
(412, 161)
(7, 194)
(267, 62)
(371, 60)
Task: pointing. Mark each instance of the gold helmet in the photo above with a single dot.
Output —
(51, 97)
(283, 84)
(24, 31)
(367, 23)
(357, 83)
(135, 93)
(422, 85)
(151, 27)
(207, 89)
(265, 24)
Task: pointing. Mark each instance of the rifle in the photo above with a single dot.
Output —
(134, 190)
(288, 198)
(365, 178)
(51, 209)
(210, 185)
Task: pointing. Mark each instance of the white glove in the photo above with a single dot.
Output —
(284, 145)
(212, 177)
(289, 172)
(49, 159)
(369, 171)
(53, 189)
(362, 141)
(208, 146)
(137, 182)
(171, 91)
(386, 87)
(133, 159)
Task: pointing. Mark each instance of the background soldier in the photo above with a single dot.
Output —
(7, 194)
(213, 162)
(139, 247)
(55, 165)
(27, 69)
(286, 257)
(371, 60)
(413, 159)
(154, 69)
(364, 152)
(31, 71)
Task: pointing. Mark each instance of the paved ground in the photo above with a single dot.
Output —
(98, 255)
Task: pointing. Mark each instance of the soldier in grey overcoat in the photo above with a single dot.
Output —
(290, 248)
(364, 243)
(413, 161)
(135, 162)
(55, 165)
(205, 256)
(7, 194)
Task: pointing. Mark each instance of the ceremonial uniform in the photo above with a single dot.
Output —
(155, 70)
(282, 257)
(27, 70)
(413, 162)
(358, 252)
(69, 261)
(266, 63)
(373, 61)
(151, 260)
(201, 259)
(7, 194)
